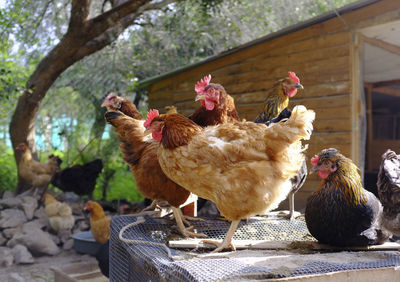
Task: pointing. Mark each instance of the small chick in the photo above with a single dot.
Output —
(59, 214)
(99, 222)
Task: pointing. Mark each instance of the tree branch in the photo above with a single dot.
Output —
(106, 37)
(96, 26)
(156, 6)
(79, 14)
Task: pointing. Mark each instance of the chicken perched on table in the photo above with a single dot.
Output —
(389, 191)
(341, 212)
(243, 167)
(275, 109)
(37, 174)
(217, 106)
(99, 222)
(278, 97)
(80, 179)
(140, 153)
(59, 214)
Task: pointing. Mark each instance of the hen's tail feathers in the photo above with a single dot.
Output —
(297, 127)
(301, 119)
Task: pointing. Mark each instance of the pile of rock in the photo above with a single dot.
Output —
(25, 231)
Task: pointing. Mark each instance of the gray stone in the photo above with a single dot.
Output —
(40, 214)
(55, 238)
(64, 235)
(15, 240)
(11, 218)
(81, 226)
(22, 255)
(15, 277)
(36, 240)
(68, 245)
(29, 205)
(33, 224)
(6, 257)
(2, 240)
(10, 202)
(8, 194)
(9, 232)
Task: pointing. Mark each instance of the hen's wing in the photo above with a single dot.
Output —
(39, 168)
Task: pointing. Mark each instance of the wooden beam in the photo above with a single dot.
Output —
(355, 102)
(395, 49)
(369, 125)
(385, 83)
(274, 245)
(388, 91)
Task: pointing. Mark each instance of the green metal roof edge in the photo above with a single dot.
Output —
(321, 18)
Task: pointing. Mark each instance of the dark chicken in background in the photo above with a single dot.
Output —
(341, 212)
(80, 179)
(389, 191)
(275, 109)
(140, 153)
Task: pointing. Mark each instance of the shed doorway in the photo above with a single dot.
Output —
(381, 76)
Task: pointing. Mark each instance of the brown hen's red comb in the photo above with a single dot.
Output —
(202, 84)
(293, 76)
(315, 160)
(150, 116)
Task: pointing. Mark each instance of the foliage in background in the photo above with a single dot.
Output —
(8, 168)
(183, 33)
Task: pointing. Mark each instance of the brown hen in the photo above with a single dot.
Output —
(140, 153)
(217, 106)
(243, 167)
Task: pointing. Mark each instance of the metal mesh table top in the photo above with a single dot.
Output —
(144, 261)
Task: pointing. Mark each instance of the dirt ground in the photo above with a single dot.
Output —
(40, 271)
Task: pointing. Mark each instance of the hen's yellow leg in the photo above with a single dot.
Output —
(182, 229)
(227, 242)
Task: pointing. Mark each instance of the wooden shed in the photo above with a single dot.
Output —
(349, 63)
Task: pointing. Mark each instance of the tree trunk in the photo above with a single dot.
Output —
(84, 37)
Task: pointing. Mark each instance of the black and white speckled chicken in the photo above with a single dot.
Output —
(389, 191)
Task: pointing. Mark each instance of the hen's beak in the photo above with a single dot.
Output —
(147, 132)
(105, 104)
(200, 97)
(314, 169)
(298, 85)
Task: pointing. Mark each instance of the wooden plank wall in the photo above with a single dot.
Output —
(322, 65)
(320, 56)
